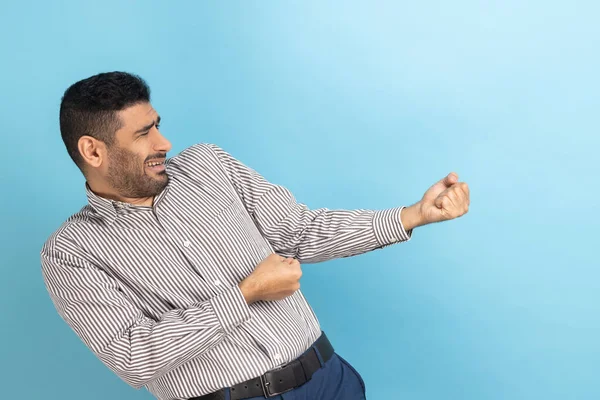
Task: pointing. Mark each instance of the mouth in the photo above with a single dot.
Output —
(155, 166)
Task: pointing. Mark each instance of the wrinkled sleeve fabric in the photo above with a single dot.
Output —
(311, 236)
(137, 348)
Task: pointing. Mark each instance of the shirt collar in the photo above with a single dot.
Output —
(108, 209)
(104, 207)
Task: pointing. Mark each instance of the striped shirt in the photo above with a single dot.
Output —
(153, 291)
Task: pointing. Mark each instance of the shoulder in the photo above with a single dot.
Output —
(201, 159)
(199, 153)
(64, 240)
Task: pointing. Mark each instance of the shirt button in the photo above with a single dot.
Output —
(277, 356)
(217, 282)
(393, 239)
(187, 243)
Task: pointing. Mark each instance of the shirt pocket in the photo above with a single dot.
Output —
(227, 237)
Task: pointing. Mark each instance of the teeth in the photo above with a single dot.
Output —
(153, 164)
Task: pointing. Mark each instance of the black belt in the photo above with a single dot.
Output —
(282, 379)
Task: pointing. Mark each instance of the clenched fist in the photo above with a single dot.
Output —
(275, 278)
(447, 199)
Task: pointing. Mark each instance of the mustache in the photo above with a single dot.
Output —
(156, 156)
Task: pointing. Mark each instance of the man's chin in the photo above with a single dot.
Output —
(156, 174)
(162, 176)
(163, 180)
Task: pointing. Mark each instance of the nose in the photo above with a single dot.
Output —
(161, 143)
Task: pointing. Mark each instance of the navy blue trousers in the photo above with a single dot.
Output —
(336, 380)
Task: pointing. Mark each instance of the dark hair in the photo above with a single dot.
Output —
(89, 108)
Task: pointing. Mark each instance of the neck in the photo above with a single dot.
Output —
(109, 193)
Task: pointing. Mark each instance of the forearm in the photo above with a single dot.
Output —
(136, 347)
(149, 349)
(319, 235)
(411, 217)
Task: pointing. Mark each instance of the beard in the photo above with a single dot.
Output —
(127, 174)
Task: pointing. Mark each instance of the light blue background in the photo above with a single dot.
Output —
(350, 105)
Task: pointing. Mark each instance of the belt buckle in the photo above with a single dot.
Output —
(265, 385)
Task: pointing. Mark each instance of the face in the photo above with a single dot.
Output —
(135, 165)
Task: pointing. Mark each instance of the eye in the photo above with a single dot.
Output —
(157, 126)
(144, 134)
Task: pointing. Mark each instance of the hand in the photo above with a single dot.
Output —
(275, 278)
(446, 199)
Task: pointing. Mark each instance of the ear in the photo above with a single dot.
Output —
(93, 151)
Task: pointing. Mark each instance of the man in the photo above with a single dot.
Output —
(182, 274)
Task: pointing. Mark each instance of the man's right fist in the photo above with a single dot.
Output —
(275, 278)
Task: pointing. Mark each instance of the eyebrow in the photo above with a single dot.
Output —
(147, 127)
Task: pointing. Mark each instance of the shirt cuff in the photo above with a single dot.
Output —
(231, 308)
(388, 227)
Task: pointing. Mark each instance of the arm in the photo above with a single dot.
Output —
(311, 235)
(137, 348)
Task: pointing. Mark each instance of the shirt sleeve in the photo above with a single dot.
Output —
(137, 348)
(308, 235)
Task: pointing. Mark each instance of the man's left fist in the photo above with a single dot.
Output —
(446, 199)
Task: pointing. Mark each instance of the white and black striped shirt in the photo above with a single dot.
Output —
(153, 291)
